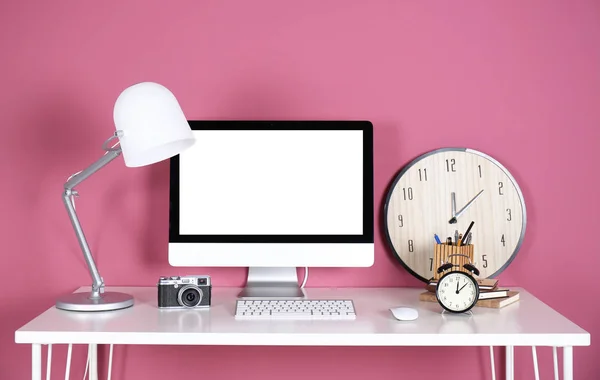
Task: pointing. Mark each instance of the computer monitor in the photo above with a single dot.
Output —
(273, 196)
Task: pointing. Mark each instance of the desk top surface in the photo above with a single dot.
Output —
(525, 323)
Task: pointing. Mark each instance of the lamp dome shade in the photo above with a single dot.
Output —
(150, 124)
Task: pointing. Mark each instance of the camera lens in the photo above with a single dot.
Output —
(189, 296)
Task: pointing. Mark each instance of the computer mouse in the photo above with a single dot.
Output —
(404, 313)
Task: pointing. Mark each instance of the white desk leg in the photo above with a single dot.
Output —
(36, 362)
(555, 359)
(93, 362)
(567, 363)
(510, 363)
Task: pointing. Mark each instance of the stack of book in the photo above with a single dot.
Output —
(490, 295)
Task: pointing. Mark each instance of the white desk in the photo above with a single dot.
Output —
(528, 322)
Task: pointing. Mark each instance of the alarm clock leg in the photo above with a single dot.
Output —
(510, 363)
(568, 363)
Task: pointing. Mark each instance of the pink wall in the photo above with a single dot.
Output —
(517, 80)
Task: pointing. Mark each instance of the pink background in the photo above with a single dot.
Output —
(517, 80)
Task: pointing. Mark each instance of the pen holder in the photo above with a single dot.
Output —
(442, 252)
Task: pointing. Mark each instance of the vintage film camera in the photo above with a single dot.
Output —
(190, 291)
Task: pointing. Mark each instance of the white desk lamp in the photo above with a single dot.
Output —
(150, 127)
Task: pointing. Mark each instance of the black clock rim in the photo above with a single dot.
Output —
(476, 291)
(420, 157)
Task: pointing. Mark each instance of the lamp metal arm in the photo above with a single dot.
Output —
(112, 153)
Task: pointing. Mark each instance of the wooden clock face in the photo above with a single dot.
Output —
(419, 204)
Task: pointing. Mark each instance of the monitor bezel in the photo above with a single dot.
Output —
(368, 201)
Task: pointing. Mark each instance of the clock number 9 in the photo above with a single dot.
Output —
(401, 220)
(450, 165)
(407, 193)
(411, 246)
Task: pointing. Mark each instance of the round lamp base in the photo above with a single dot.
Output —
(83, 302)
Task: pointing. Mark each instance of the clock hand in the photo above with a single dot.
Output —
(462, 288)
(453, 201)
(457, 291)
(459, 213)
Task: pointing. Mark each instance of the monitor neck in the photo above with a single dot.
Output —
(265, 282)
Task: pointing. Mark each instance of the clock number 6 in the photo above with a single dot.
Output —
(411, 246)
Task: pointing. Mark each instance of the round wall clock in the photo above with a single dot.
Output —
(440, 193)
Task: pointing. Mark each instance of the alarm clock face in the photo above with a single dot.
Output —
(444, 191)
(457, 292)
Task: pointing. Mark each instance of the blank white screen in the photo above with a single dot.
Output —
(272, 182)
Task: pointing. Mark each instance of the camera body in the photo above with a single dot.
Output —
(184, 292)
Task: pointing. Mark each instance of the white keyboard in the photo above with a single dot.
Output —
(295, 309)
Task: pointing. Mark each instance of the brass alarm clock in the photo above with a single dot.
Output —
(442, 192)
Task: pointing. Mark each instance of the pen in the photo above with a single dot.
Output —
(468, 239)
(449, 240)
(456, 236)
(437, 239)
(469, 229)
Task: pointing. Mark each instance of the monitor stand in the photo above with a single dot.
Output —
(272, 283)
